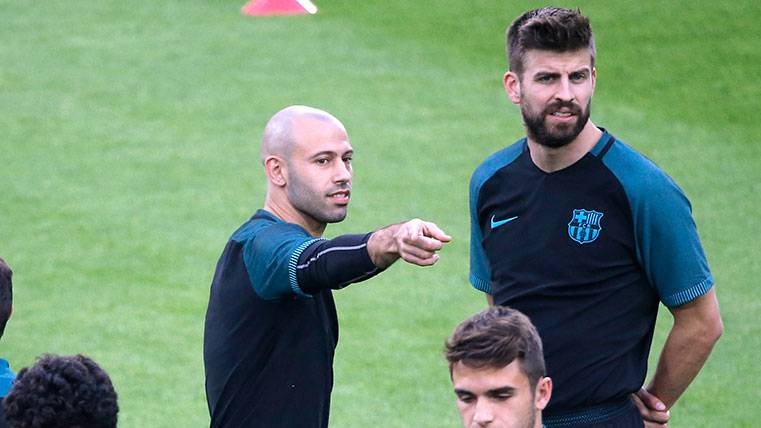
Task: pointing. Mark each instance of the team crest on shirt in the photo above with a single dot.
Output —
(585, 226)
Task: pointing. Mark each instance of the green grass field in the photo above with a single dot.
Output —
(129, 139)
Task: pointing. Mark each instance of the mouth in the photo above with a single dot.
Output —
(562, 114)
(340, 196)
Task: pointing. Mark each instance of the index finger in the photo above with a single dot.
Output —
(424, 242)
(648, 413)
(433, 231)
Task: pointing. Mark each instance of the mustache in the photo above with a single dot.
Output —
(559, 105)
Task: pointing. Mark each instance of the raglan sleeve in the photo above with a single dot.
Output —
(271, 257)
(480, 274)
(668, 245)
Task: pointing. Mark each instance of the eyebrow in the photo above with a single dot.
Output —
(331, 153)
(495, 391)
(585, 70)
(502, 390)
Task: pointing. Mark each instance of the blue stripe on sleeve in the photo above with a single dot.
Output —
(293, 262)
(270, 251)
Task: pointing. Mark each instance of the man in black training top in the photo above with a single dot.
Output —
(586, 236)
(271, 326)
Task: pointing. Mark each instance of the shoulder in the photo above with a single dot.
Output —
(495, 162)
(640, 177)
(265, 227)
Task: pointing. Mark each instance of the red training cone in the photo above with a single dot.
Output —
(278, 7)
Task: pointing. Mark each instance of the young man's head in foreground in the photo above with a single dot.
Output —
(497, 369)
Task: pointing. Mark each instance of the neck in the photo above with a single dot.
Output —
(550, 159)
(282, 209)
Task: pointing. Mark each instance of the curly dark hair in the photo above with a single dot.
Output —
(62, 391)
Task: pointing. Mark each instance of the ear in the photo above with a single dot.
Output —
(543, 393)
(276, 170)
(594, 77)
(512, 86)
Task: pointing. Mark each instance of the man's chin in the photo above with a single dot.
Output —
(553, 141)
(557, 136)
(336, 217)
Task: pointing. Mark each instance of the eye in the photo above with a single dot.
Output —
(545, 78)
(466, 398)
(322, 161)
(578, 77)
(502, 397)
(347, 159)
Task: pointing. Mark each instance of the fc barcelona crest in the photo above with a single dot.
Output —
(585, 226)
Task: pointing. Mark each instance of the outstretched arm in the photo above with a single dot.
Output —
(346, 259)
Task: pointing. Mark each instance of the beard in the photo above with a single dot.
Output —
(314, 203)
(559, 135)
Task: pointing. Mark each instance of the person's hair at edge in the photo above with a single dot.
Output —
(6, 294)
(62, 391)
(550, 29)
(494, 338)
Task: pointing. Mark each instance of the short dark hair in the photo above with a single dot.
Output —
(494, 338)
(62, 391)
(6, 294)
(551, 29)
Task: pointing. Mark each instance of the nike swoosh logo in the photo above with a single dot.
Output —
(496, 224)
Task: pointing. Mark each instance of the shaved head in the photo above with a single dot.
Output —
(279, 135)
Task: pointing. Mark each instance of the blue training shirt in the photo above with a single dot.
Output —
(587, 253)
(6, 382)
(6, 377)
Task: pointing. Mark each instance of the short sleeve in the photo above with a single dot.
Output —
(480, 274)
(668, 245)
(271, 256)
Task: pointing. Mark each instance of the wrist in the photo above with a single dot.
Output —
(382, 247)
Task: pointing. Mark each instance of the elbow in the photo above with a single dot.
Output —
(716, 330)
(710, 333)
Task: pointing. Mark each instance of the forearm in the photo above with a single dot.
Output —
(335, 263)
(680, 361)
(697, 327)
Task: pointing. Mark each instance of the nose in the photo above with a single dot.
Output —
(342, 172)
(564, 92)
(483, 415)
